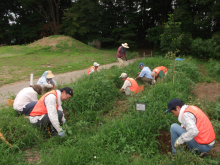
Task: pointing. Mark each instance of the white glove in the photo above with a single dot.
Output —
(48, 85)
(154, 81)
(62, 133)
(176, 144)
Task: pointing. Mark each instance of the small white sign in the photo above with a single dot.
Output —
(140, 107)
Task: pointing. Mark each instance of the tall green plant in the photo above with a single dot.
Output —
(170, 39)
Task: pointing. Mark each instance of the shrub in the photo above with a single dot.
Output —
(205, 48)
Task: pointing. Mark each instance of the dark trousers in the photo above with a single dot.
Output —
(28, 108)
(45, 121)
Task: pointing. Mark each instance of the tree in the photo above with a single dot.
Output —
(171, 37)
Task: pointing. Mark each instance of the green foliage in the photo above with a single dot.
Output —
(213, 69)
(154, 34)
(94, 136)
(171, 37)
(205, 48)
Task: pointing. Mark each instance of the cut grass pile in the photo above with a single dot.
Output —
(95, 135)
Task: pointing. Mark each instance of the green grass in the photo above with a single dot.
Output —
(102, 132)
(18, 62)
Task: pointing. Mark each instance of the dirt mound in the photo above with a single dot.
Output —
(209, 91)
(50, 41)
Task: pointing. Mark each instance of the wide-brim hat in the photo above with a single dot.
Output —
(50, 74)
(125, 45)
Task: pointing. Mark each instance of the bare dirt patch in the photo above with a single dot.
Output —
(209, 91)
(165, 142)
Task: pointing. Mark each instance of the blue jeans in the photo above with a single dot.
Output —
(176, 131)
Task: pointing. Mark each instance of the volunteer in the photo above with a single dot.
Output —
(49, 112)
(196, 130)
(130, 85)
(145, 74)
(122, 53)
(47, 82)
(159, 71)
(26, 99)
(93, 68)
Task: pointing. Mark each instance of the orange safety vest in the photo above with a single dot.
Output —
(134, 86)
(40, 108)
(206, 133)
(90, 69)
(158, 69)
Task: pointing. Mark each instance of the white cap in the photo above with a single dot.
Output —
(95, 64)
(123, 75)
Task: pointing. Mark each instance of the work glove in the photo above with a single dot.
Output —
(61, 134)
(177, 144)
(48, 85)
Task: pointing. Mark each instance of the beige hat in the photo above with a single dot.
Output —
(95, 64)
(125, 45)
(50, 74)
(123, 75)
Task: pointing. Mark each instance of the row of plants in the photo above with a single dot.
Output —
(93, 136)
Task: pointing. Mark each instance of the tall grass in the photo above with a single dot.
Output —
(129, 138)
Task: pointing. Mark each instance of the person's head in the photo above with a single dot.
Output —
(37, 88)
(174, 106)
(50, 74)
(96, 65)
(66, 93)
(125, 45)
(123, 76)
(141, 65)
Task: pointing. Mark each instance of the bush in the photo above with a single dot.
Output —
(95, 43)
(205, 48)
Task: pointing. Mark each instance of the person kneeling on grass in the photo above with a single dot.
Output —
(159, 71)
(196, 130)
(93, 68)
(145, 74)
(129, 86)
(49, 112)
(26, 99)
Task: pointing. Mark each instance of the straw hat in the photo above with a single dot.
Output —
(125, 45)
(50, 74)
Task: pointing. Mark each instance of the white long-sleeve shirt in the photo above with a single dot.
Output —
(24, 97)
(51, 102)
(188, 120)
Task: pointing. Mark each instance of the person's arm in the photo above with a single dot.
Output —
(189, 122)
(50, 102)
(141, 74)
(125, 85)
(92, 70)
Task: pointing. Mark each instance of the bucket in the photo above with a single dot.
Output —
(10, 102)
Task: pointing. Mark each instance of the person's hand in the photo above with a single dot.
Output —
(177, 144)
(61, 134)
(48, 85)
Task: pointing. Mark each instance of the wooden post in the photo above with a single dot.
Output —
(173, 69)
(144, 54)
(151, 53)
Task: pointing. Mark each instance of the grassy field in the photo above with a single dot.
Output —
(57, 53)
(104, 126)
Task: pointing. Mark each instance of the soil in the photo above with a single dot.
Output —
(208, 91)
(32, 156)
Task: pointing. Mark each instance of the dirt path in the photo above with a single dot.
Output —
(64, 78)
